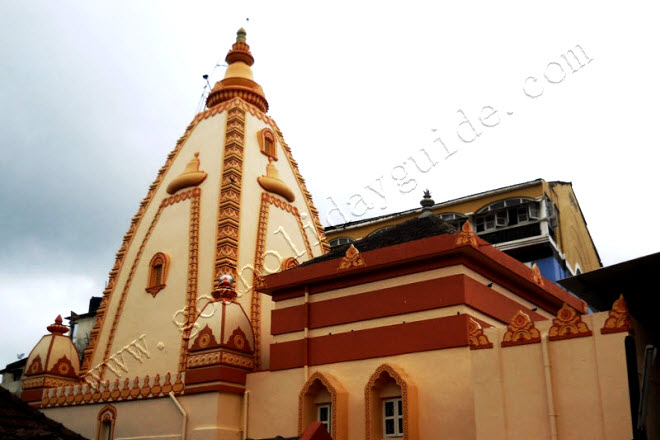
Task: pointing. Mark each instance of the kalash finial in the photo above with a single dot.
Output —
(427, 202)
(238, 81)
(240, 36)
(57, 328)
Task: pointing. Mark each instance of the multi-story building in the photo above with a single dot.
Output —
(536, 222)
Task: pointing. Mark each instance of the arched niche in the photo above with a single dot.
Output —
(323, 391)
(106, 423)
(390, 401)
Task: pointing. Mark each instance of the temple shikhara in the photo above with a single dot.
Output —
(227, 315)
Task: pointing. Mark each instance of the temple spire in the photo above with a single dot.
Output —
(238, 81)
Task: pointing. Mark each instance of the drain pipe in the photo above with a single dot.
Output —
(246, 396)
(552, 414)
(306, 333)
(183, 413)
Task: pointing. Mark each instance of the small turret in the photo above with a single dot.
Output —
(52, 362)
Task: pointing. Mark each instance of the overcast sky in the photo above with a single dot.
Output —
(94, 96)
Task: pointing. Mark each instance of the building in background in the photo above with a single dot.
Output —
(536, 222)
(12, 376)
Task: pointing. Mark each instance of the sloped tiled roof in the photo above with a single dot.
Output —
(19, 421)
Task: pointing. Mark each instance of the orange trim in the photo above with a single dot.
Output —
(216, 372)
(424, 295)
(412, 337)
(417, 256)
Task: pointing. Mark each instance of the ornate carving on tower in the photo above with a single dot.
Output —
(191, 176)
(238, 81)
(271, 182)
(226, 256)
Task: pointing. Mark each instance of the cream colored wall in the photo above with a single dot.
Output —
(589, 387)
(254, 166)
(444, 398)
(497, 393)
(171, 233)
(211, 416)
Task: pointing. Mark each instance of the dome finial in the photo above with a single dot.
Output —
(57, 328)
(426, 202)
(240, 36)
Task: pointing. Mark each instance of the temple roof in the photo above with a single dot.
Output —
(21, 422)
(413, 229)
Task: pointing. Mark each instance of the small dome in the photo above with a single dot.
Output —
(222, 323)
(54, 354)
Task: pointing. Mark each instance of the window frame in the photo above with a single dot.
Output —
(397, 416)
(157, 276)
(327, 423)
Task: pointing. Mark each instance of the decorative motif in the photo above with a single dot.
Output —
(619, 318)
(158, 269)
(191, 176)
(238, 340)
(82, 394)
(272, 182)
(568, 324)
(333, 401)
(521, 331)
(351, 259)
(220, 357)
(153, 188)
(369, 397)
(476, 337)
(290, 263)
(229, 207)
(107, 416)
(536, 275)
(35, 367)
(204, 340)
(466, 236)
(63, 367)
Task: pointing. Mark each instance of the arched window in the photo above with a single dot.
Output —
(158, 267)
(106, 423)
(390, 402)
(322, 399)
(505, 213)
(383, 229)
(341, 240)
(267, 143)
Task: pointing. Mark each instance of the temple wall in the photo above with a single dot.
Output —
(491, 393)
